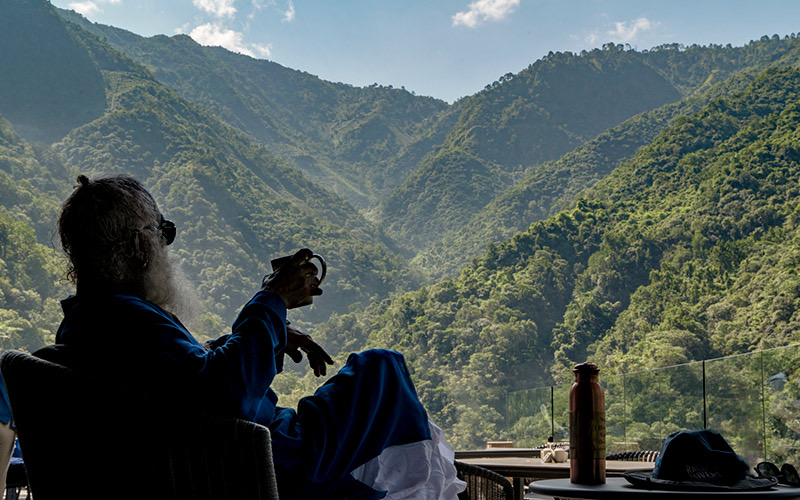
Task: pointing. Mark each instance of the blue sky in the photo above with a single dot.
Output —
(442, 48)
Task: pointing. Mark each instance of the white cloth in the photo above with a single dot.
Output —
(423, 470)
(7, 436)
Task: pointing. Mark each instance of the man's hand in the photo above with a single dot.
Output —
(297, 341)
(296, 281)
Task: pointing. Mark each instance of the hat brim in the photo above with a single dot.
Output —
(750, 483)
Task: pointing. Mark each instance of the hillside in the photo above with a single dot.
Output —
(354, 141)
(433, 169)
(236, 204)
(553, 186)
(29, 270)
(720, 194)
(55, 88)
(526, 119)
(686, 251)
(641, 208)
(557, 104)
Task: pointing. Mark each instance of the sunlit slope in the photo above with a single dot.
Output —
(686, 251)
(30, 274)
(535, 116)
(554, 106)
(719, 197)
(552, 186)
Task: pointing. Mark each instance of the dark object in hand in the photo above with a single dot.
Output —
(303, 266)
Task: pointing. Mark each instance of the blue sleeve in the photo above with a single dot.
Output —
(236, 372)
(5, 407)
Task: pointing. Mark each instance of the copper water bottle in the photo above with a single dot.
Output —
(587, 427)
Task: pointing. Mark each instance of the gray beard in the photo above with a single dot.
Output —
(167, 286)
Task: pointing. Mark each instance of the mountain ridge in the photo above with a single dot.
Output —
(236, 203)
(686, 251)
(665, 238)
(316, 125)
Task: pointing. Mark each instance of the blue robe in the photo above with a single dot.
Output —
(370, 405)
(5, 407)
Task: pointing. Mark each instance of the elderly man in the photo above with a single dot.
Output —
(364, 434)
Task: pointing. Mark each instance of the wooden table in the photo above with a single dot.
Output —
(499, 452)
(617, 487)
(521, 468)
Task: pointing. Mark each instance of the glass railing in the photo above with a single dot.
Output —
(752, 399)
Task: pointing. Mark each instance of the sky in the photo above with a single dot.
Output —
(447, 49)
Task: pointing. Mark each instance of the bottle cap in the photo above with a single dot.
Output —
(587, 367)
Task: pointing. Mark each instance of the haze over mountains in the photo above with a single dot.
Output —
(639, 208)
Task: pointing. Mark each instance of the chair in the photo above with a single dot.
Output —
(16, 478)
(483, 484)
(84, 438)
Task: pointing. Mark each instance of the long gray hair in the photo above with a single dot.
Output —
(102, 228)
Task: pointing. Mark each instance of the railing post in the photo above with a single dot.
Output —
(705, 399)
(506, 419)
(552, 413)
(763, 408)
(624, 412)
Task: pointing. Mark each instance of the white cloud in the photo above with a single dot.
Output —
(219, 8)
(626, 32)
(85, 8)
(264, 50)
(218, 36)
(262, 4)
(288, 15)
(115, 2)
(484, 10)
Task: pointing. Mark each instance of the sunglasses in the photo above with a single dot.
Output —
(167, 228)
(787, 474)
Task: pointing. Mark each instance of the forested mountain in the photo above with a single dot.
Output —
(434, 168)
(715, 204)
(29, 270)
(347, 139)
(552, 186)
(523, 120)
(549, 187)
(236, 204)
(688, 250)
(643, 205)
(541, 113)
